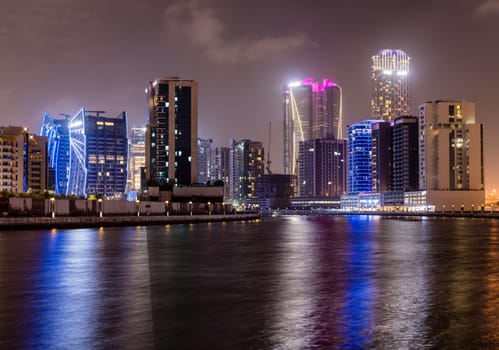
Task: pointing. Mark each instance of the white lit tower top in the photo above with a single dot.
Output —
(390, 82)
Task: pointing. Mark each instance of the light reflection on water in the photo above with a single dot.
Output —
(285, 283)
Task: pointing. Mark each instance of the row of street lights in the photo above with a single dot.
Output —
(482, 206)
(137, 202)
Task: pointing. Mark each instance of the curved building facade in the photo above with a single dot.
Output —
(312, 110)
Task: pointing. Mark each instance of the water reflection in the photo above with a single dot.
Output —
(491, 308)
(292, 282)
(71, 289)
(402, 300)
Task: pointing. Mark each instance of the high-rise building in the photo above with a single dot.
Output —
(360, 156)
(311, 110)
(405, 173)
(451, 147)
(381, 157)
(57, 133)
(36, 164)
(171, 136)
(98, 154)
(222, 168)
(23, 161)
(12, 166)
(206, 160)
(247, 165)
(390, 85)
(322, 168)
(137, 158)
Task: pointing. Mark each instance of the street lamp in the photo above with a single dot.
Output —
(443, 208)
(166, 208)
(52, 206)
(453, 208)
(190, 208)
(209, 209)
(138, 207)
(223, 207)
(100, 207)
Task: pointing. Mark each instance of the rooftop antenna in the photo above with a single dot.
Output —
(268, 151)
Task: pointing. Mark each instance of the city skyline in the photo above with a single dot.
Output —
(102, 56)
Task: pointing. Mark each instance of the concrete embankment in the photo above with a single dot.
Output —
(18, 223)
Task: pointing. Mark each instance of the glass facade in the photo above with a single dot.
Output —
(311, 110)
(98, 154)
(322, 168)
(57, 133)
(360, 157)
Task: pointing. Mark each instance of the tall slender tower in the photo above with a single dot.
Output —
(312, 110)
(246, 166)
(390, 85)
(136, 157)
(172, 131)
(57, 132)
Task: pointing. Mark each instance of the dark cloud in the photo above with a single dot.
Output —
(201, 24)
(488, 7)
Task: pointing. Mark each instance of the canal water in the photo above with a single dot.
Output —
(277, 283)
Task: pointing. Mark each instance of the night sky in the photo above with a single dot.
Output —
(57, 56)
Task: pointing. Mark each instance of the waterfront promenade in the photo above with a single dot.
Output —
(14, 223)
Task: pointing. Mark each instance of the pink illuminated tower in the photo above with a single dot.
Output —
(312, 110)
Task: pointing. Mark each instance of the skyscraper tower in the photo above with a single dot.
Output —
(246, 166)
(360, 151)
(172, 131)
(450, 147)
(136, 157)
(390, 85)
(98, 154)
(312, 110)
(57, 132)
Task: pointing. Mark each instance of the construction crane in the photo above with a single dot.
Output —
(268, 150)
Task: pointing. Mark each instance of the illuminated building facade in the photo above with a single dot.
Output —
(311, 110)
(451, 147)
(36, 164)
(137, 158)
(322, 168)
(206, 160)
(98, 154)
(24, 161)
(390, 85)
(172, 132)
(12, 166)
(57, 133)
(246, 166)
(360, 145)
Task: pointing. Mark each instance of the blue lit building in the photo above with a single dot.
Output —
(360, 156)
(98, 154)
(57, 133)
